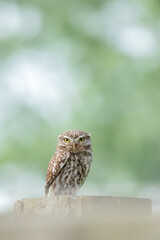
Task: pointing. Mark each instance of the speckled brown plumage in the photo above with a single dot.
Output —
(69, 166)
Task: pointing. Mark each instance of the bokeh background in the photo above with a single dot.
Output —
(89, 65)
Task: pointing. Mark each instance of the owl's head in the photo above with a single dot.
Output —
(75, 141)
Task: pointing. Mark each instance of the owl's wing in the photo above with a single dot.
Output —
(57, 162)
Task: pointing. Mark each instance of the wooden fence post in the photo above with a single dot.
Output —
(105, 206)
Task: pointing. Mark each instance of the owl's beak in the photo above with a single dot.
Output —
(74, 147)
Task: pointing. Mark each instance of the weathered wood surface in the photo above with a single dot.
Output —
(99, 206)
(106, 219)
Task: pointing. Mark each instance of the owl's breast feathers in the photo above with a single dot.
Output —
(67, 170)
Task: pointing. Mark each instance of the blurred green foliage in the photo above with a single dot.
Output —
(115, 95)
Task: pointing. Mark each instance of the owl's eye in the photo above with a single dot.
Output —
(81, 139)
(66, 140)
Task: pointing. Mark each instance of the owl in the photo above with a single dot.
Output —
(70, 164)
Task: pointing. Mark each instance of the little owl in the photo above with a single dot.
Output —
(69, 166)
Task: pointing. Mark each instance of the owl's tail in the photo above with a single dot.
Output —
(46, 189)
